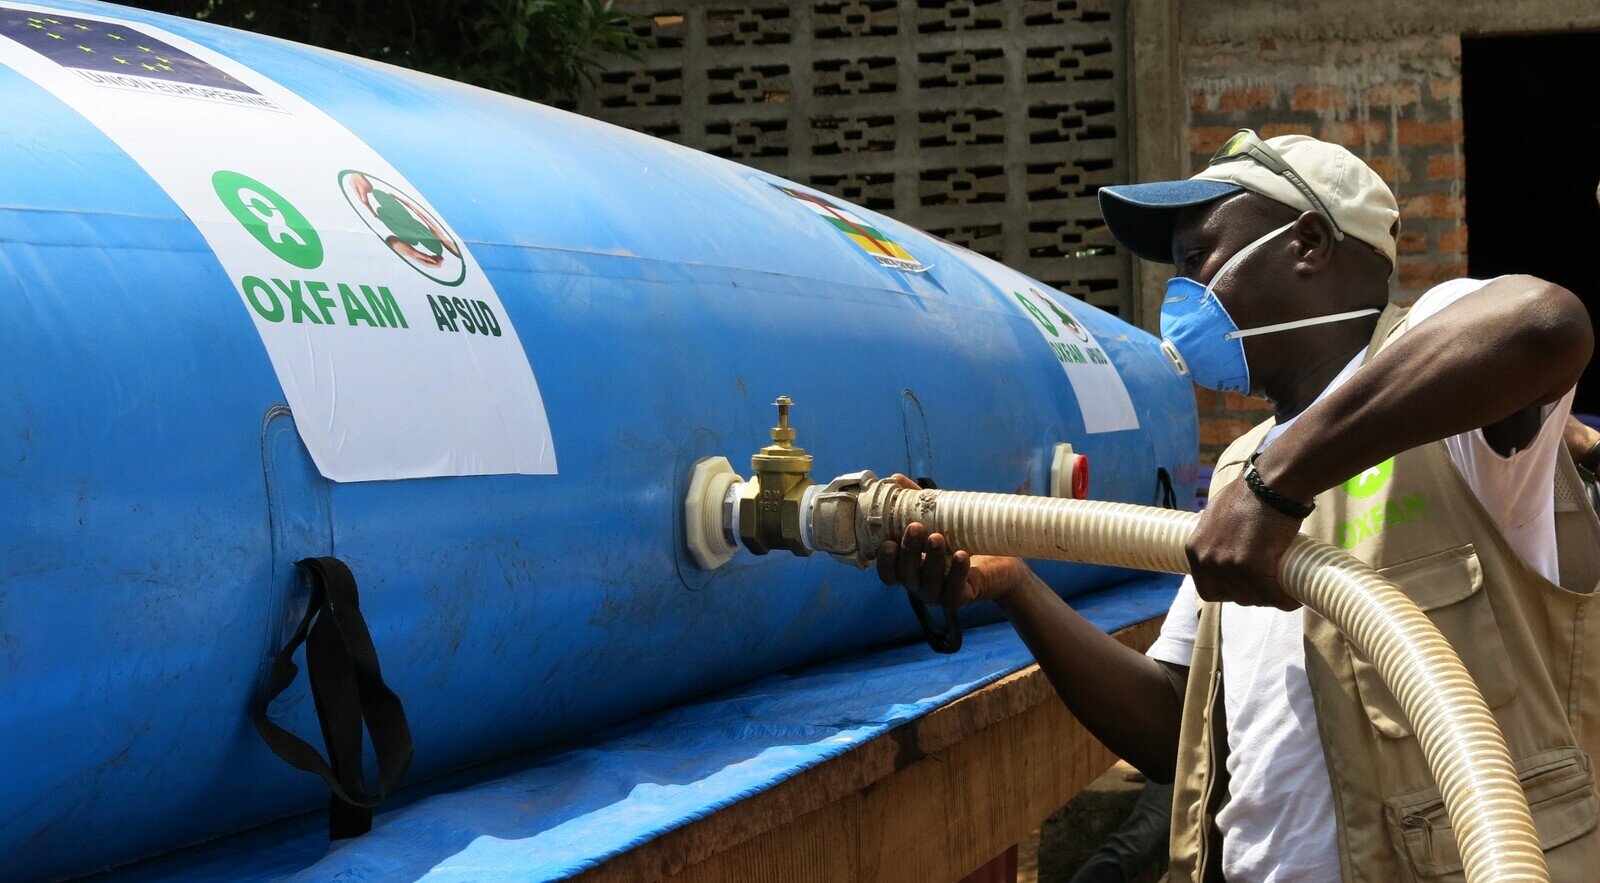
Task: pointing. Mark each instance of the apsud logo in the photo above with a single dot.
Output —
(1371, 481)
(1068, 324)
(271, 219)
(1067, 321)
(408, 229)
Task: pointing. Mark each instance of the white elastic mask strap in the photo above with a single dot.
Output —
(1240, 255)
(1301, 323)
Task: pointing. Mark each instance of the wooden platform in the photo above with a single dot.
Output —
(930, 801)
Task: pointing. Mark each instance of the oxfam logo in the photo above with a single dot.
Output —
(271, 219)
(1371, 481)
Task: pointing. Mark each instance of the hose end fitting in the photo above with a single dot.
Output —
(834, 517)
(853, 516)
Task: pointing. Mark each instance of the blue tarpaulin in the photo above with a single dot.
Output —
(559, 812)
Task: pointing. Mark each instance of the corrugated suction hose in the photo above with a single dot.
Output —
(1464, 748)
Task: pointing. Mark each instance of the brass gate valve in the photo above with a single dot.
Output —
(769, 508)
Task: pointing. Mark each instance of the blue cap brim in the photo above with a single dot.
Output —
(1142, 216)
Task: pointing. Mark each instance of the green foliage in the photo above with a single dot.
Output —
(538, 49)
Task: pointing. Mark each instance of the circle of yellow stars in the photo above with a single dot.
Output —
(149, 60)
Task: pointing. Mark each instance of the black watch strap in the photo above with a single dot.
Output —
(1253, 480)
(1590, 461)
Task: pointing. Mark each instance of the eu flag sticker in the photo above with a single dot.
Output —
(116, 55)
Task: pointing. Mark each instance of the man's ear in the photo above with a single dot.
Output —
(1313, 244)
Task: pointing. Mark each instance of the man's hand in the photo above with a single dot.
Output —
(405, 250)
(1235, 550)
(927, 566)
(1124, 697)
(1578, 439)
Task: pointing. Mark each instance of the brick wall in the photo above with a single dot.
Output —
(1396, 103)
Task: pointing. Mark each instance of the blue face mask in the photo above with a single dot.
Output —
(1201, 339)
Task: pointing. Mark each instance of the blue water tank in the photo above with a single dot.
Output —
(166, 458)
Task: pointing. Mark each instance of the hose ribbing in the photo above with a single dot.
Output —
(1458, 735)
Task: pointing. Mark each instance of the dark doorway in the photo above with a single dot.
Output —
(1531, 105)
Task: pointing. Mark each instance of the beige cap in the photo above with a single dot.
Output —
(1359, 200)
(1142, 216)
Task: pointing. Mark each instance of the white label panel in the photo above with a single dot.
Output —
(393, 349)
(1102, 395)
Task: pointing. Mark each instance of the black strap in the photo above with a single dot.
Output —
(1169, 497)
(1264, 493)
(347, 687)
(1590, 461)
(942, 640)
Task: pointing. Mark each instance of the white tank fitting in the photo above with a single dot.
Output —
(711, 513)
(1069, 473)
(1462, 743)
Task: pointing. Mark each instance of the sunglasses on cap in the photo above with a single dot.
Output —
(1246, 144)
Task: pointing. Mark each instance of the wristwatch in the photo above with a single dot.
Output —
(1258, 486)
(1589, 463)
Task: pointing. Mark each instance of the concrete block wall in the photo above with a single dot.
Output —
(990, 123)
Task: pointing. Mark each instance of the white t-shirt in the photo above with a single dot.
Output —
(1279, 823)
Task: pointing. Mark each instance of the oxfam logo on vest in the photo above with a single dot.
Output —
(271, 219)
(1403, 508)
(1371, 481)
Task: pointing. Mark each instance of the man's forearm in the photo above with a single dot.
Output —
(1122, 696)
(1517, 344)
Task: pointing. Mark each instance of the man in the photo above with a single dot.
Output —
(1426, 440)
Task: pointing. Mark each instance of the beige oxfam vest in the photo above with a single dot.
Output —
(1530, 645)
